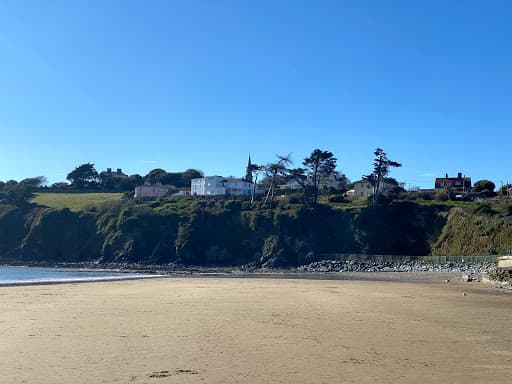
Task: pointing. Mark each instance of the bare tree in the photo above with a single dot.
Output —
(273, 171)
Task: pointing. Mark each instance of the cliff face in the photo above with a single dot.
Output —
(484, 229)
(228, 232)
(44, 234)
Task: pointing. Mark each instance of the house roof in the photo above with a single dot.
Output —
(155, 186)
(464, 180)
(452, 178)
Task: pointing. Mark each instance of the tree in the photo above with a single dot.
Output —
(178, 179)
(156, 176)
(381, 168)
(129, 183)
(254, 170)
(21, 193)
(506, 189)
(188, 175)
(299, 175)
(319, 166)
(485, 187)
(60, 185)
(273, 171)
(83, 176)
(343, 183)
(108, 181)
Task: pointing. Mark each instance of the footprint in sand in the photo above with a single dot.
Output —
(162, 374)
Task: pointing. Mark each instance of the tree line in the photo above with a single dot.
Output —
(85, 177)
(311, 178)
(317, 168)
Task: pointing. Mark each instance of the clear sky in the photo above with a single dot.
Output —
(199, 84)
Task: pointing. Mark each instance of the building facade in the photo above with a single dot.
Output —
(238, 187)
(151, 191)
(460, 182)
(207, 186)
(365, 188)
(220, 186)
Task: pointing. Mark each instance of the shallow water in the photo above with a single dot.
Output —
(13, 275)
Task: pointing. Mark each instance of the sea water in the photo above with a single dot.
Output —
(24, 275)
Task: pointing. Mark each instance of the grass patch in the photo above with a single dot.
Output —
(75, 201)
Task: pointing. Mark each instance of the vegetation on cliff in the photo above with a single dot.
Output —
(194, 231)
(476, 229)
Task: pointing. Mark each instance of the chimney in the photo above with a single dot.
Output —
(459, 175)
(119, 172)
(446, 176)
(109, 170)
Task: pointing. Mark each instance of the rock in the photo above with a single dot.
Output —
(470, 272)
(467, 278)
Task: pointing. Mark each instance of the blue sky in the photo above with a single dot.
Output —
(199, 84)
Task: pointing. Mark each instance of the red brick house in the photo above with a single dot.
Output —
(459, 182)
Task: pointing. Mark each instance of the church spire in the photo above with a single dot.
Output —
(248, 172)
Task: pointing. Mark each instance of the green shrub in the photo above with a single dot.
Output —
(442, 196)
(336, 199)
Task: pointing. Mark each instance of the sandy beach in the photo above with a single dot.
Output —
(250, 330)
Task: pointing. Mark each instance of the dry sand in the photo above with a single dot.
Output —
(203, 330)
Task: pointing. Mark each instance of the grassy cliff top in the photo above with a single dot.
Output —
(75, 201)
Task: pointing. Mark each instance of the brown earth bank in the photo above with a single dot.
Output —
(416, 328)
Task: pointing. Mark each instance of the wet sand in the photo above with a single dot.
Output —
(256, 330)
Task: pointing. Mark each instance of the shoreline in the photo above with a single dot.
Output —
(323, 270)
(27, 283)
(394, 277)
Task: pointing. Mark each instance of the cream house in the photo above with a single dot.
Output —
(364, 187)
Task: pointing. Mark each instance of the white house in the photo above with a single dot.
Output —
(364, 188)
(220, 186)
(155, 190)
(332, 181)
(207, 186)
(291, 185)
(238, 187)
